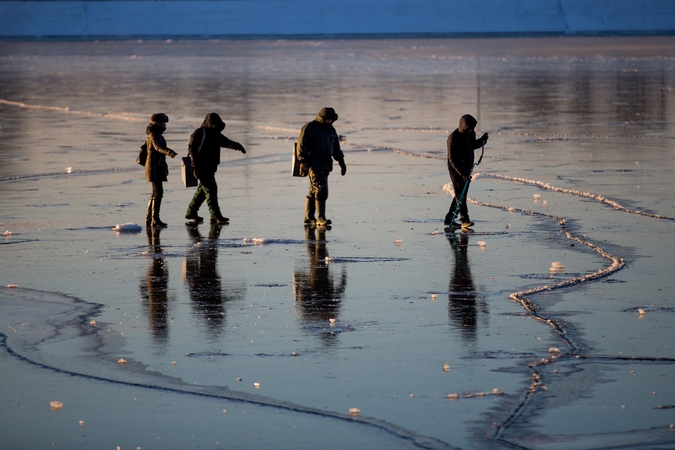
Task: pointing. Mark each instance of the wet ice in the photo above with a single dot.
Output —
(264, 285)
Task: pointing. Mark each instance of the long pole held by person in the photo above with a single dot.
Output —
(462, 197)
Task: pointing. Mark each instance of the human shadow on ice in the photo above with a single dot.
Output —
(208, 293)
(463, 310)
(318, 292)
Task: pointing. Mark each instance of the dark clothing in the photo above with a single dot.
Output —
(204, 151)
(461, 145)
(207, 159)
(156, 168)
(318, 145)
(207, 190)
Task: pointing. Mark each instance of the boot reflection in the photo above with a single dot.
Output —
(463, 309)
(208, 293)
(317, 292)
(154, 289)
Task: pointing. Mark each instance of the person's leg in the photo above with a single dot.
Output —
(148, 212)
(458, 187)
(208, 181)
(310, 208)
(319, 187)
(195, 204)
(158, 194)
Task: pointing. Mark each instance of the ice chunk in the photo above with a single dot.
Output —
(446, 367)
(508, 225)
(557, 265)
(537, 197)
(354, 411)
(129, 227)
(121, 361)
(55, 405)
(256, 385)
(12, 286)
(7, 233)
(481, 244)
(398, 241)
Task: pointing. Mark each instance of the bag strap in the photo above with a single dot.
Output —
(202, 143)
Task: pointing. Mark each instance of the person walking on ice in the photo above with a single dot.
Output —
(156, 169)
(318, 146)
(204, 151)
(461, 144)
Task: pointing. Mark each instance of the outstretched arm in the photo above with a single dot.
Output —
(228, 143)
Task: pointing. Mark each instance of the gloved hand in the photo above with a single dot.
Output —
(304, 170)
(172, 153)
(241, 148)
(484, 138)
(343, 167)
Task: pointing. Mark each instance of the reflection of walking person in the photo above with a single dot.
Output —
(462, 307)
(317, 293)
(318, 146)
(155, 288)
(461, 144)
(156, 170)
(208, 291)
(204, 151)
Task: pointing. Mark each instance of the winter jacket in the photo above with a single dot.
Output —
(461, 144)
(156, 168)
(207, 158)
(319, 143)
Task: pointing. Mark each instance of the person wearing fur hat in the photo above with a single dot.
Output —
(156, 169)
(204, 151)
(318, 146)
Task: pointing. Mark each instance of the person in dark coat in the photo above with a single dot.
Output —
(318, 146)
(461, 144)
(156, 169)
(204, 151)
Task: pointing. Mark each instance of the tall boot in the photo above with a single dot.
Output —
(310, 209)
(321, 220)
(148, 213)
(156, 205)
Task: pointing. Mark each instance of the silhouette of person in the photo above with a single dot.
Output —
(154, 288)
(208, 293)
(462, 306)
(317, 293)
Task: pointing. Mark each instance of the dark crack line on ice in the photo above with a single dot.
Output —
(418, 441)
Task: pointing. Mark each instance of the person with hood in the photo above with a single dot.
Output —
(461, 144)
(204, 152)
(318, 145)
(156, 169)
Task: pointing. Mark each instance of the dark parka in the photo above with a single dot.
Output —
(206, 159)
(319, 143)
(461, 145)
(156, 168)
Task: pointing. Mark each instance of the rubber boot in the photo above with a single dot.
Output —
(156, 206)
(148, 213)
(321, 220)
(310, 209)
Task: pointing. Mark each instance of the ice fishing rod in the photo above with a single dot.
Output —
(466, 186)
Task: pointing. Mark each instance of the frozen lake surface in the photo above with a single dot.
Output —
(548, 327)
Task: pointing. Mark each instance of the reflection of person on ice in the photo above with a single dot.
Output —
(318, 146)
(461, 144)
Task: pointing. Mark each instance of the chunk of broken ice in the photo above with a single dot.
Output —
(129, 227)
(557, 265)
(354, 411)
(7, 233)
(55, 405)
